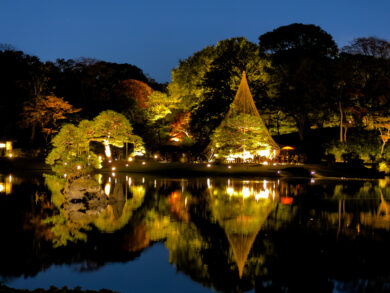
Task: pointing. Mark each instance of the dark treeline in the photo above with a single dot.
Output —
(86, 84)
(300, 80)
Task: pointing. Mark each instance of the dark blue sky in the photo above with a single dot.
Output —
(155, 34)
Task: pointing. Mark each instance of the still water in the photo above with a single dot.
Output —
(134, 233)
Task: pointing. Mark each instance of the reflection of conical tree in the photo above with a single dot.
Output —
(243, 133)
(241, 220)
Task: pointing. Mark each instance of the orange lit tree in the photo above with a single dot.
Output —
(44, 112)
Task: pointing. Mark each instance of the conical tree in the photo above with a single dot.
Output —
(243, 134)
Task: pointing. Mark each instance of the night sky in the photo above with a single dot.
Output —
(155, 34)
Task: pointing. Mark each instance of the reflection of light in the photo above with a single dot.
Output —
(113, 174)
(185, 201)
(99, 178)
(130, 159)
(129, 181)
(312, 172)
(78, 167)
(208, 165)
(10, 178)
(155, 183)
(312, 181)
(265, 184)
(229, 167)
(245, 192)
(10, 155)
(230, 191)
(143, 163)
(2, 185)
(109, 179)
(65, 175)
(155, 156)
(265, 163)
(113, 168)
(263, 194)
(208, 183)
(143, 180)
(107, 188)
(127, 165)
(2, 145)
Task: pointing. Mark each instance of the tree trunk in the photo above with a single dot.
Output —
(345, 133)
(341, 121)
(33, 131)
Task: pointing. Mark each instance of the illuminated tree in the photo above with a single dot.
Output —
(180, 127)
(45, 112)
(137, 90)
(382, 124)
(111, 128)
(221, 81)
(70, 153)
(242, 134)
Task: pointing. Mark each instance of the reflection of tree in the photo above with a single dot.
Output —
(82, 203)
(241, 215)
(120, 209)
(169, 222)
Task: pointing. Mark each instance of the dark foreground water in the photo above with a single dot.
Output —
(195, 235)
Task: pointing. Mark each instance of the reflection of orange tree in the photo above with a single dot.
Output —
(168, 222)
(241, 209)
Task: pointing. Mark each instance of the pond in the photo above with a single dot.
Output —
(138, 233)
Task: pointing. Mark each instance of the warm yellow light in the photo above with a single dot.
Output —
(155, 156)
(78, 167)
(2, 187)
(107, 189)
(230, 191)
(143, 163)
(10, 155)
(229, 167)
(287, 148)
(174, 139)
(127, 165)
(208, 165)
(2, 145)
(113, 174)
(113, 168)
(245, 192)
(263, 194)
(107, 149)
(265, 163)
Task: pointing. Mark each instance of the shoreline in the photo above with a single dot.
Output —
(175, 169)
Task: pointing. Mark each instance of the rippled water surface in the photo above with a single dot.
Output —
(139, 233)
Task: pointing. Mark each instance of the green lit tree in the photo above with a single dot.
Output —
(112, 128)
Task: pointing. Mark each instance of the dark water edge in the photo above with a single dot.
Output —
(322, 236)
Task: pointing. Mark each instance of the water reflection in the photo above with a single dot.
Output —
(227, 234)
(5, 184)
